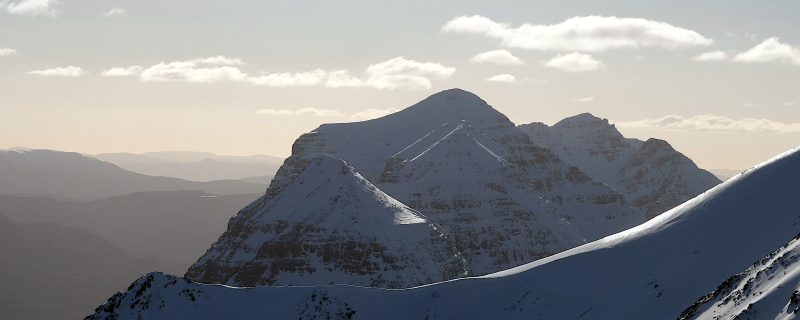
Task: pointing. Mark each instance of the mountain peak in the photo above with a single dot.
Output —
(657, 144)
(455, 100)
(580, 119)
(456, 93)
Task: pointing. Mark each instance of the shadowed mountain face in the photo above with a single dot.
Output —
(654, 271)
(330, 225)
(49, 271)
(195, 166)
(73, 176)
(175, 226)
(651, 175)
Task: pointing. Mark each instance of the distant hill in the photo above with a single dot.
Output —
(74, 176)
(177, 226)
(195, 166)
(49, 271)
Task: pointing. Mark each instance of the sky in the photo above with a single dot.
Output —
(717, 79)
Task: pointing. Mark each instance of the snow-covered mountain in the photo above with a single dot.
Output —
(652, 175)
(329, 225)
(462, 163)
(653, 271)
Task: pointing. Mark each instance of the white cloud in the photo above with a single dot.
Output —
(368, 114)
(770, 50)
(584, 99)
(507, 78)
(5, 52)
(117, 11)
(394, 73)
(121, 71)
(287, 79)
(31, 7)
(390, 74)
(712, 56)
(500, 57)
(219, 61)
(588, 34)
(200, 70)
(190, 71)
(574, 62)
(69, 71)
(301, 112)
(788, 103)
(708, 122)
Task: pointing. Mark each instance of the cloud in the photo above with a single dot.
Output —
(121, 71)
(574, 62)
(191, 71)
(287, 79)
(401, 65)
(117, 11)
(219, 61)
(69, 71)
(584, 99)
(708, 122)
(788, 103)
(31, 7)
(5, 52)
(499, 57)
(368, 114)
(394, 73)
(301, 112)
(770, 50)
(588, 34)
(506, 78)
(712, 56)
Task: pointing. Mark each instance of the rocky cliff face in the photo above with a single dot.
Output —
(329, 225)
(461, 180)
(652, 175)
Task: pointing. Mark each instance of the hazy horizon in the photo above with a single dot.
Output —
(248, 77)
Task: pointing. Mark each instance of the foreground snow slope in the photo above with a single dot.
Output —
(769, 289)
(653, 271)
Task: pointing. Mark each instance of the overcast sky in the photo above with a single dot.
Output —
(717, 79)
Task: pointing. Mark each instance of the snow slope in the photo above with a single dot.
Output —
(652, 175)
(329, 225)
(769, 289)
(653, 271)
